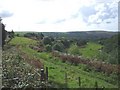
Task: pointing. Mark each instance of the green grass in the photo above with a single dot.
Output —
(91, 50)
(57, 68)
(22, 41)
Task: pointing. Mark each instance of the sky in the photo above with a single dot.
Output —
(59, 15)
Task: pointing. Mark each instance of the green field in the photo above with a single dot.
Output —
(57, 68)
(22, 41)
(91, 50)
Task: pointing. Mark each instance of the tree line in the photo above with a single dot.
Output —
(51, 43)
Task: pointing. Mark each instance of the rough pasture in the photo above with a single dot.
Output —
(38, 49)
(97, 65)
(32, 61)
(57, 69)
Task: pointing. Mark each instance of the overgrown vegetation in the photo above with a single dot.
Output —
(57, 68)
(73, 59)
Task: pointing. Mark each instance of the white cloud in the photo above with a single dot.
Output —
(5, 13)
(42, 15)
(106, 1)
(112, 26)
(103, 11)
(100, 7)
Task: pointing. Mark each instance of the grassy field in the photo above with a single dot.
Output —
(22, 41)
(57, 68)
(91, 50)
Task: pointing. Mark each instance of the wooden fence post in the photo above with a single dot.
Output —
(42, 75)
(96, 85)
(46, 74)
(46, 77)
(66, 80)
(79, 80)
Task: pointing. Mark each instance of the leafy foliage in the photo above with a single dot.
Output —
(65, 42)
(38, 36)
(58, 46)
(81, 42)
(111, 43)
(29, 35)
(47, 40)
(111, 47)
(74, 49)
(89, 35)
(48, 48)
(57, 68)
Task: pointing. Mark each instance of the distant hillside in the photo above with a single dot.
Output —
(83, 35)
(90, 35)
(111, 43)
(112, 46)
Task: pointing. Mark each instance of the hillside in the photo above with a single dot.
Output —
(111, 47)
(89, 35)
(61, 74)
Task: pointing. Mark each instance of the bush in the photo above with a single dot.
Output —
(58, 46)
(81, 42)
(29, 35)
(47, 40)
(65, 42)
(48, 48)
(17, 35)
(74, 49)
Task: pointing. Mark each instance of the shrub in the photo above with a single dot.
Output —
(48, 48)
(58, 46)
(74, 49)
(47, 40)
